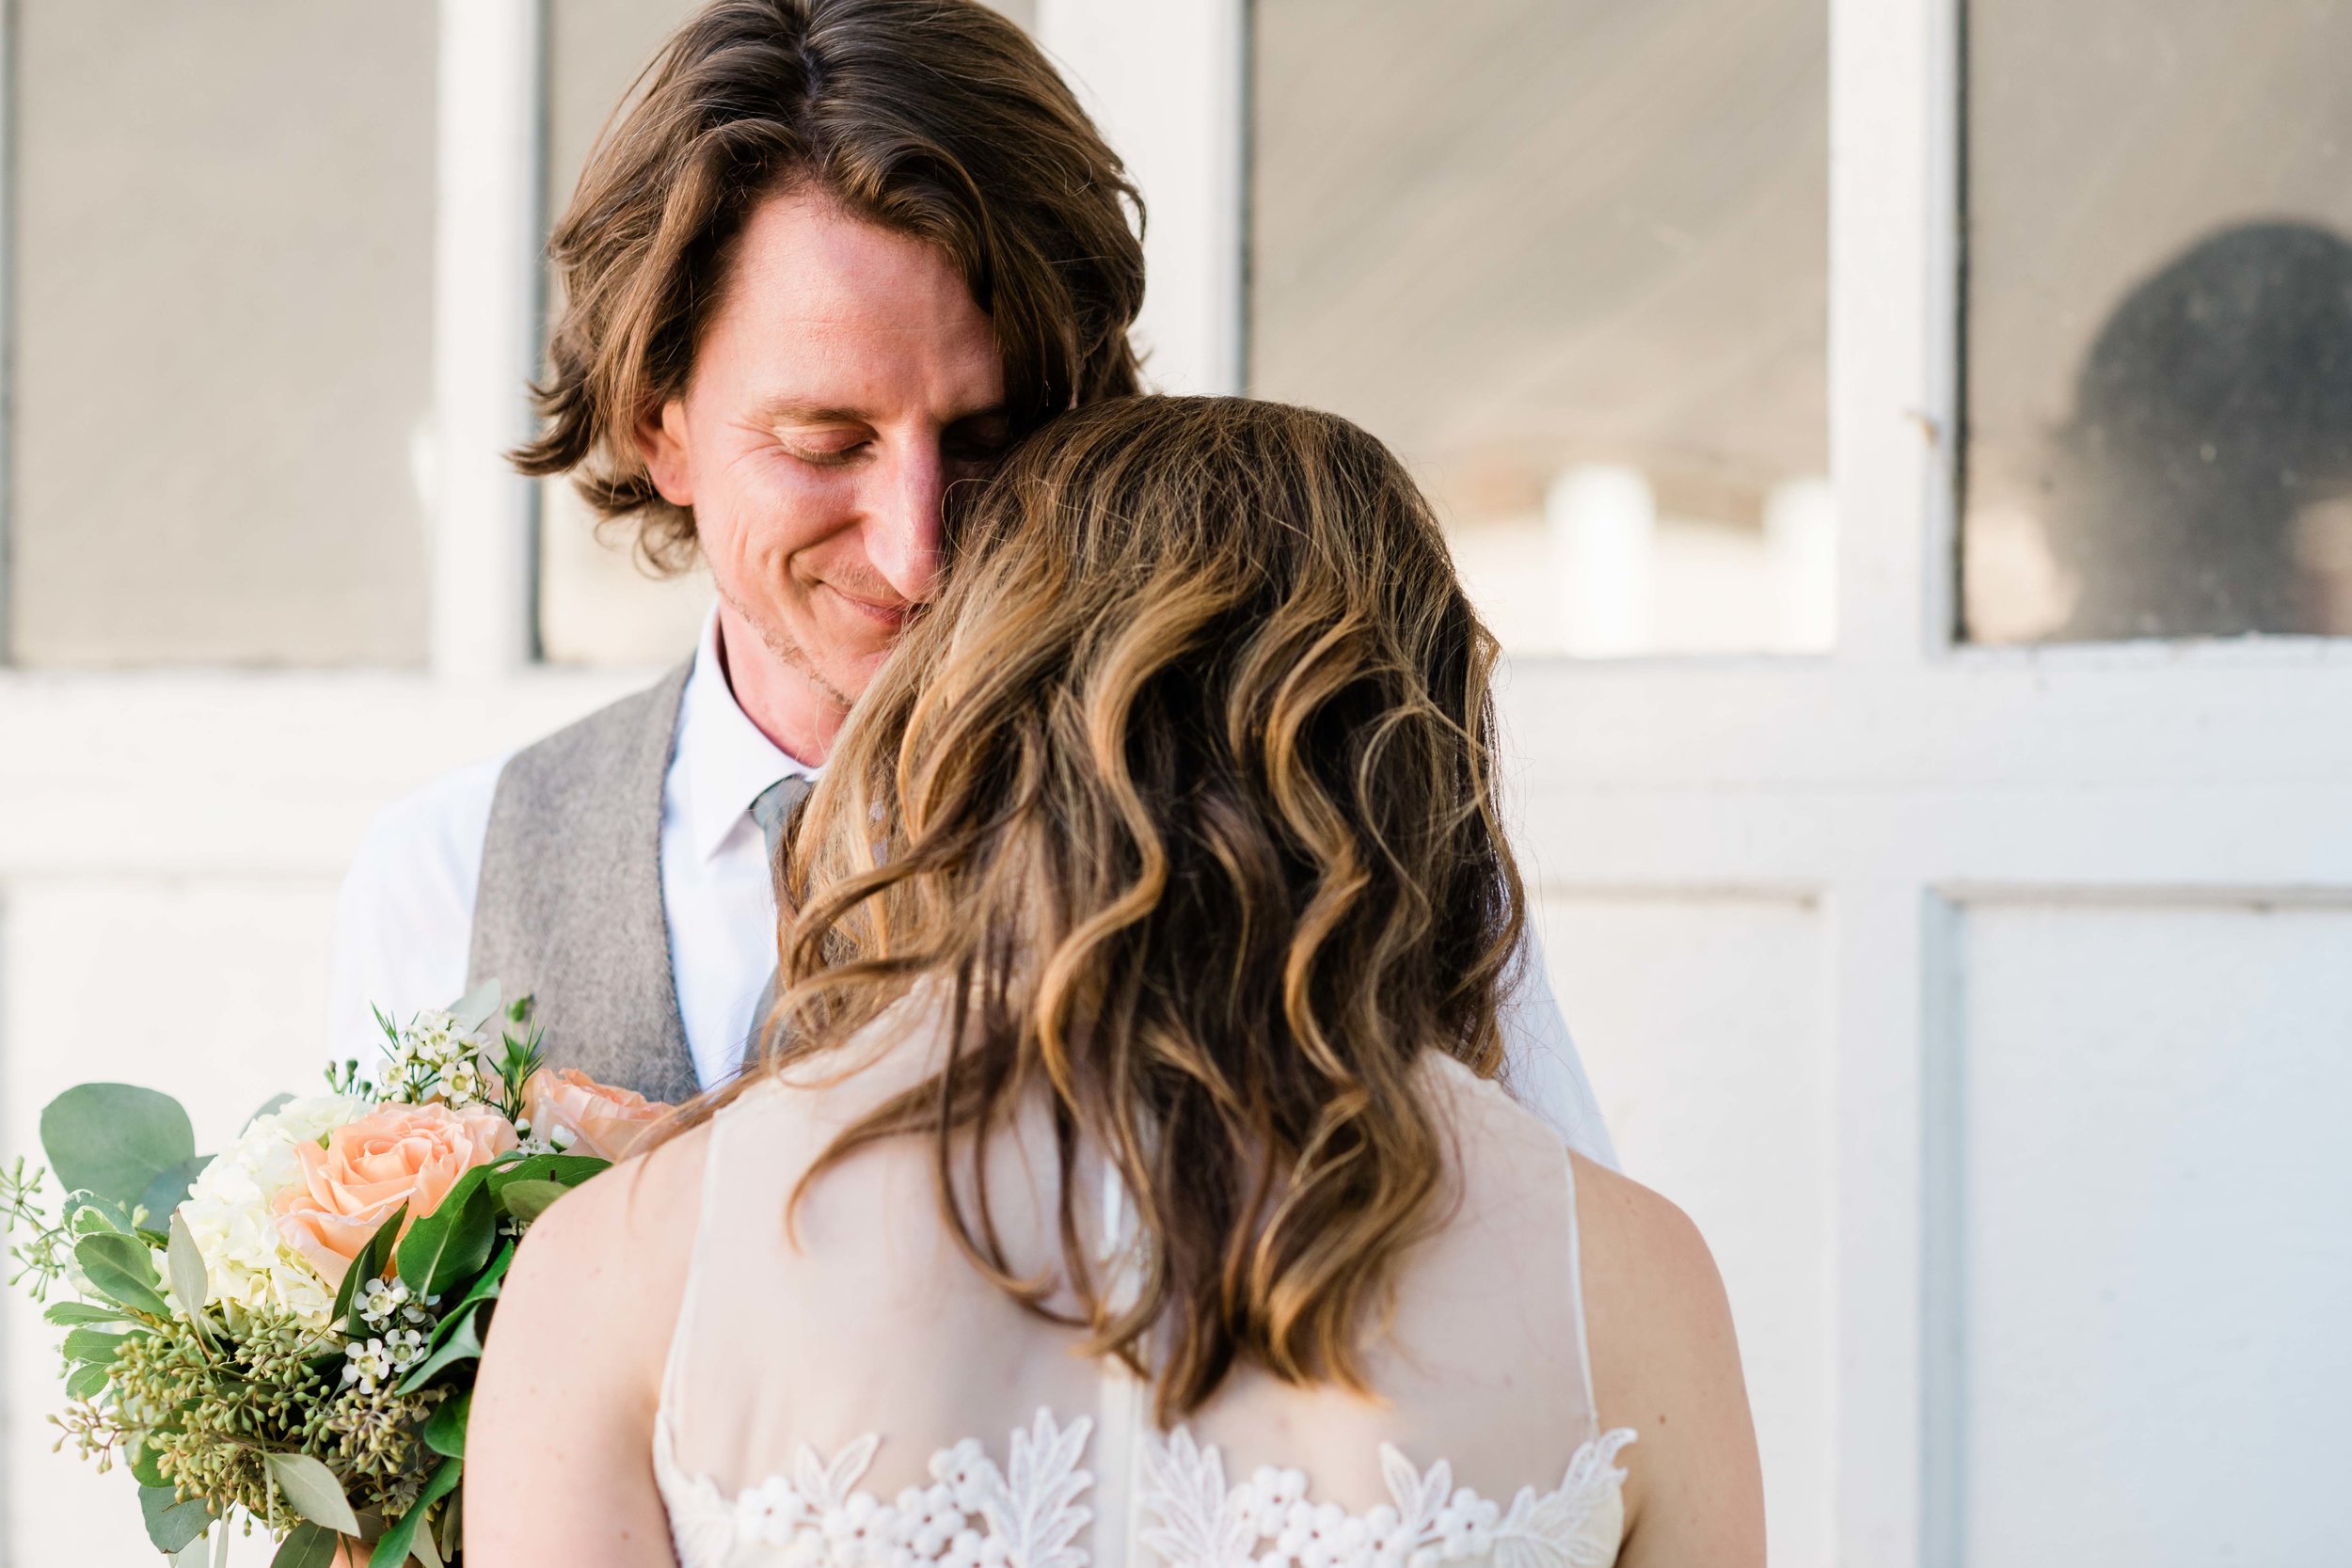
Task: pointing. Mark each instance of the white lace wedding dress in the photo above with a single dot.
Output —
(864, 1396)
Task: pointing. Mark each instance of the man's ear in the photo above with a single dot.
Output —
(661, 442)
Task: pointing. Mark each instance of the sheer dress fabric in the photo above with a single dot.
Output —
(858, 1393)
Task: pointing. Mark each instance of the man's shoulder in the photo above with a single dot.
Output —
(625, 736)
(428, 842)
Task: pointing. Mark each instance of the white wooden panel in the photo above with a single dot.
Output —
(1703, 1024)
(212, 991)
(2156, 1262)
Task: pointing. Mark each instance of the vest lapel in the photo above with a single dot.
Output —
(569, 906)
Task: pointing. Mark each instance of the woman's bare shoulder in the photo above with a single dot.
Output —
(1665, 1364)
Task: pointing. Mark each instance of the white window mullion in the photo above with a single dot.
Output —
(1165, 82)
(486, 332)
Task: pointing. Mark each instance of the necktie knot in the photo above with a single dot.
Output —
(773, 807)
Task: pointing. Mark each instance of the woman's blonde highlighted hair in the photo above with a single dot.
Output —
(1186, 791)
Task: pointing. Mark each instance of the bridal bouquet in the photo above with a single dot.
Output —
(287, 1332)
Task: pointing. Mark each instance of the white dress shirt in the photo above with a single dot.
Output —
(403, 924)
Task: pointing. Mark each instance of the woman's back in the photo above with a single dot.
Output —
(860, 1392)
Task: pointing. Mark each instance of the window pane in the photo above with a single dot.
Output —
(597, 606)
(2159, 339)
(222, 322)
(1571, 260)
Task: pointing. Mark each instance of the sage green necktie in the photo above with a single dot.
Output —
(771, 810)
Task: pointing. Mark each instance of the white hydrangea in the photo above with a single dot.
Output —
(228, 1212)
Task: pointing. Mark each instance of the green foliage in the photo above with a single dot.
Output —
(115, 1139)
(189, 1285)
(369, 1265)
(445, 1433)
(451, 1244)
(307, 1546)
(170, 1188)
(39, 1259)
(170, 1522)
(121, 1269)
(527, 1200)
(406, 1533)
(312, 1490)
(463, 1343)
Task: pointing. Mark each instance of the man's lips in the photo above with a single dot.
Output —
(889, 616)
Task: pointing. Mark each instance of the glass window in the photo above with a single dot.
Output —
(1572, 263)
(222, 281)
(2159, 320)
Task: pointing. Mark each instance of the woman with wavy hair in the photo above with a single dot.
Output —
(1128, 1178)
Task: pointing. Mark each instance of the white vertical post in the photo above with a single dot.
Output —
(1603, 522)
(1164, 81)
(486, 294)
(1894, 122)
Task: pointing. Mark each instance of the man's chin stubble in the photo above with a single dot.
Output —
(789, 652)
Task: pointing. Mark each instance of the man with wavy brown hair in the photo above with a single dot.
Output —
(837, 257)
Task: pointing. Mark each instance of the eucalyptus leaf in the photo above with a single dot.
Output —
(170, 1522)
(114, 1139)
(146, 1465)
(307, 1546)
(463, 1345)
(445, 1429)
(400, 1540)
(189, 1283)
(65, 1314)
(421, 1546)
(171, 1187)
(313, 1490)
(528, 1200)
(451, 1243)
(473, 1009)
(195, 1554)
(220, 1547)
(119, 1268)
(84, 1381)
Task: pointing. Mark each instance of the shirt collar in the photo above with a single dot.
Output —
(723, 761)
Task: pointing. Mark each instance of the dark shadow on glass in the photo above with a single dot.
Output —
(2213, 415)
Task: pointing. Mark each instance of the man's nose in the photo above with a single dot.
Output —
(903, 529)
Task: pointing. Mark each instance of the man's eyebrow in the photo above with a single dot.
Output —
(792, 410)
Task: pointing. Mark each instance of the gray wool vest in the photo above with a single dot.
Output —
(569, 906)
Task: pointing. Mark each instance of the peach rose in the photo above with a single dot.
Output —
(410, 1154)
(604, 1122)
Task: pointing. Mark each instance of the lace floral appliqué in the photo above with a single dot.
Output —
(1029, 1514)
(1269, 1522)
(972, 1516)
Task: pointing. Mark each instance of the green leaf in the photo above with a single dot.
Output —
(368, 1265)
(147, 1466)
(463, 1345)
(170, 1522)
(86, 1380)
(528, 1200)
(270, 1107)
(93, 1347)
(313, 1490)
(307, 1546)
(189, 1283)
(401, 1539)
(454, 1242)
(445, 1429)
(67, 1313)
(119, 1268)
(473, 1009)
(171, 1187)
(195, 1554)
(114, 1139)
(485, 1287)
(569, 1169)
